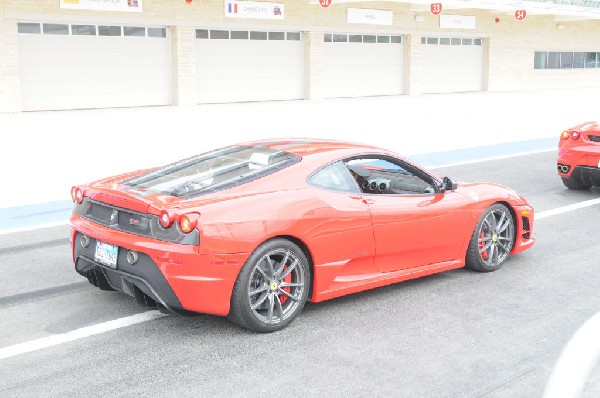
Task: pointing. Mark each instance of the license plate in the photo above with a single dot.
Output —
(106, 254)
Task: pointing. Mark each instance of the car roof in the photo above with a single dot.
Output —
(307, 147)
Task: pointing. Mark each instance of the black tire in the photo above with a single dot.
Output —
(492, 239)
(574, 182)
(272, 287)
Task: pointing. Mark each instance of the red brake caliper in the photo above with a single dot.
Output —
(484, 255)
(288, 279)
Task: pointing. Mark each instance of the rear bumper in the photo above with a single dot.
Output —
(572, 158)
(173, 275)
(589, 176)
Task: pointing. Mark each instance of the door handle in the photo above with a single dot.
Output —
(368, 201)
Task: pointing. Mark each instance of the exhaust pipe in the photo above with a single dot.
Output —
(562, 168)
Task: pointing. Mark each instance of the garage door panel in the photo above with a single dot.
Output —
(96, 73)
(362, 69)
(256, 72)
(248, 70)
(74, 72)
(451, 68)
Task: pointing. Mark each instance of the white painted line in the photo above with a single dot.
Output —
(566, 209)
(576, 362)
(514, 155)
(33, 227)
(77, 334)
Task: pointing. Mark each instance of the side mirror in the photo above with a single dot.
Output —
(448, 184)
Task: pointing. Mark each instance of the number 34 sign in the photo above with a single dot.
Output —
(520, 15)
(436, 8)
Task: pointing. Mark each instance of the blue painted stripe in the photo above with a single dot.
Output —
(59, 211)
(35, 214)
(481, 153)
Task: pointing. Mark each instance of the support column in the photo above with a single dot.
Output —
(412, 64)
(10, 82)
(183, 64)
(485, 70)
(313, 65)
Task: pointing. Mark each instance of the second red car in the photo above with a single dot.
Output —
(579, 156)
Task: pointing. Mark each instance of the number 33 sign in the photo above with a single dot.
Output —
(436, 8)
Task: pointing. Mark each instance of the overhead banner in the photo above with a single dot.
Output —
(254, 9)
(374, 17)
(103, 5)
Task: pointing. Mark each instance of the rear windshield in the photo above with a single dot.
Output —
(213, 171)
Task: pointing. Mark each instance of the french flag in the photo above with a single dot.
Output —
(232, 8)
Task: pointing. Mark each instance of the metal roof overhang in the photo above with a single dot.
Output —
(562, 10)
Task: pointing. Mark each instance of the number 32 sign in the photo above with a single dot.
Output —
(436, 8)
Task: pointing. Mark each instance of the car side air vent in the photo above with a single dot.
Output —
(526, 226)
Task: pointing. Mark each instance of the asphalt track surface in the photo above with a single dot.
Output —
(455, 334)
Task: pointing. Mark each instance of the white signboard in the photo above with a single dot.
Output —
(374, 17)
(254, 9)
(457, 22)
(103, 5)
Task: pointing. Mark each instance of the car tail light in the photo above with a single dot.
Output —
(165, 219)
(188, 222)
(575, 135)
(565, 135)
(77, 194)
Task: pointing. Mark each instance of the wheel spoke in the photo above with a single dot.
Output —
(485, 221)
(285, 284)
(503, 247)
(271, 268)
(487, 246)
(288, 295)
(505, 225)
(494, 257)
(282, 264)
(500, 222)
(271, 306)
(484, 239)
(261, 289)
(279, 306)
(260, 300)
(262, 272)
(494, 223)
(289, 269)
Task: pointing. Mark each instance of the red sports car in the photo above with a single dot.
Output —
(252, 231)
(579, 156)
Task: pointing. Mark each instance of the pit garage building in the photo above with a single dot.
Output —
(79, 54)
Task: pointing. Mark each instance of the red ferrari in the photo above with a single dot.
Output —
(579, 156)
(252, 231)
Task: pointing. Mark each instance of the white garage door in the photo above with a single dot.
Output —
(362, 65)
(89, 66)
(451, 65)
(237, 66)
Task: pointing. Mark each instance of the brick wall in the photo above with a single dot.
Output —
(9, 67)
(183, 64)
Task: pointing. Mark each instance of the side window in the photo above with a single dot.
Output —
(334, 177)
(378, 175)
